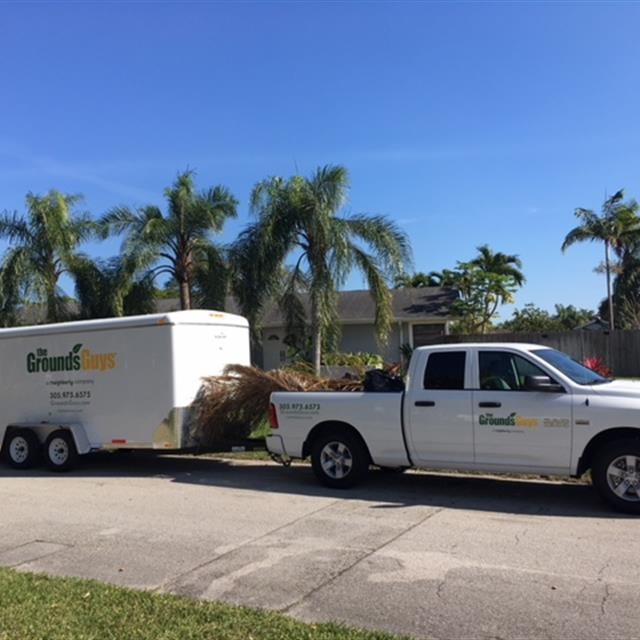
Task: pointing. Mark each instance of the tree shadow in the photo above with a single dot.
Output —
(383, 490)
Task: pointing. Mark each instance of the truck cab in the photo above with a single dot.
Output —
(497, 407)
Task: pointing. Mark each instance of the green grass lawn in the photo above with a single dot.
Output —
(43, 608)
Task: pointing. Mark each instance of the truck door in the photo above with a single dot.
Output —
(514, 426)
(439, 412)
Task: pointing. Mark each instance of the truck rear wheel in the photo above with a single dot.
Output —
(60, 451)
(21, 448)
(339, 459)
(616, 475)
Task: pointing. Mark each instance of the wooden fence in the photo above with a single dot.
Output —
(619, 350)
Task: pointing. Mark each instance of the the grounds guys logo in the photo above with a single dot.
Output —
(512, 420)
(77, 359)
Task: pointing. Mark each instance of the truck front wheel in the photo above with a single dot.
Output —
(339, 459)
(21, 448)
(616, 474)
(60, 451)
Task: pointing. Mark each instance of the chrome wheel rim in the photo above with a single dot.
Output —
(336, 460)
(623, 477)
(19, 449)
(58, 451)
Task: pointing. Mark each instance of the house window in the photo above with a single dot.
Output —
(426, 333)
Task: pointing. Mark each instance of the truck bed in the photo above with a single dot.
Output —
(375, 415)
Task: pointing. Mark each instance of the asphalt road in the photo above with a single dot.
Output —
(433, 556)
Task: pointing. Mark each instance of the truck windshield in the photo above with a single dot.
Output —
(572, 369)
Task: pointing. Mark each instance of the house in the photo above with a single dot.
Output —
(597, 324)
(420, 316)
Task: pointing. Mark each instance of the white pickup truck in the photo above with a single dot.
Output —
(496, 407)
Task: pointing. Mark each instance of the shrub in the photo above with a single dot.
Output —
(596, 364)
(360, 360)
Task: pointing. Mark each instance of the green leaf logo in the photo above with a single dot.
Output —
(77, 348)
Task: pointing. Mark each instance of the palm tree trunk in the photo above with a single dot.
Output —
(52, 308)
(316, 328)
(185, 295)
(609, 296)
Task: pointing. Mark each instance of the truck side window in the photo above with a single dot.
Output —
(503, 371)
(445, 370)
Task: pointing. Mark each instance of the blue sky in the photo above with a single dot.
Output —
(467, 123)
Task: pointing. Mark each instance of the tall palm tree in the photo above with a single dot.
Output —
(298, 219)
(42, 246)
(500, 263)
(179, 243)
(112, 288)
(617, 225)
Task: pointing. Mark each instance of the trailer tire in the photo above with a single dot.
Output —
(21, 448)
(616, 474)
(60, 451)
(339, 459)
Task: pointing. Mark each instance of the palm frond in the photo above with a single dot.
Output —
(211, 277)
(329, 186)
(389, 243)
(578, 234)
(379, 292)
(14, 228)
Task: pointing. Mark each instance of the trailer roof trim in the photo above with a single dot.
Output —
(193, 316)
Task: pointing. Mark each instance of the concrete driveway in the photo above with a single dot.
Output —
(429, 555)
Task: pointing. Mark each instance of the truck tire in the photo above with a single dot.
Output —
(616, 474)
(339, 459)
(22, 448)
(60, 451)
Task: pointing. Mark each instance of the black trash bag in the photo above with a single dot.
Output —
(382, 382)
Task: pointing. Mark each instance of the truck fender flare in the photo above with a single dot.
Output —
(600, 440)
(335, 426)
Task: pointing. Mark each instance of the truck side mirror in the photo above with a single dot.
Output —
(542, 383)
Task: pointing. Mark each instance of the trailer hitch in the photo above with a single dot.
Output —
(284, 460)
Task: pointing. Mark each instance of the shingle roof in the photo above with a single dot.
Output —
(358, 306)
(353, 306)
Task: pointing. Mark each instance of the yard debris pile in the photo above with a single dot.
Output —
(232, 406)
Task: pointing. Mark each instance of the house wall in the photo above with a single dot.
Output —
(355, 337)
(362, 337)
(274, 351)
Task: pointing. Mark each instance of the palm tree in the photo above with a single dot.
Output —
(42, 246)
(298, 218)
(615, 227)
(112, 288)
(500, 263)
(178, 244)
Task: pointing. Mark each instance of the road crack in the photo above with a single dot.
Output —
(168, 584)
(367, 555)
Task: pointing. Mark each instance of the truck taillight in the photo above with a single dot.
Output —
(273, 416)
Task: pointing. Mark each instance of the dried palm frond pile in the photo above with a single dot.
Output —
(231, 406)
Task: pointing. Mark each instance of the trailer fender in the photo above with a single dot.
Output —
(79, 437)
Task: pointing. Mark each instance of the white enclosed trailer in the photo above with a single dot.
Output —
(124, 383)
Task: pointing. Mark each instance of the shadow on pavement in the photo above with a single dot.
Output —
(386, 490)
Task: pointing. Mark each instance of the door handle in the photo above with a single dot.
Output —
(425, 403)
(490, 404)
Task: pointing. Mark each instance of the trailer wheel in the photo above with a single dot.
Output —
(21, 448)
(616, 474)
(60, 451)
(339, 459)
